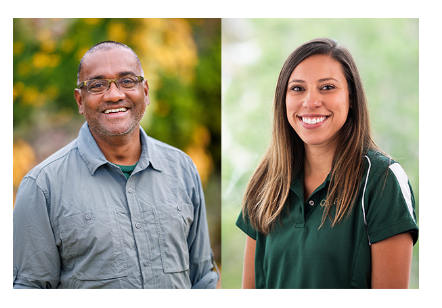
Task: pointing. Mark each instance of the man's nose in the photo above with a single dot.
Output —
(114, 94)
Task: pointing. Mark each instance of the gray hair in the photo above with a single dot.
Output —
(108, 45)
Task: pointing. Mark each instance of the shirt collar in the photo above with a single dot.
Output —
(297, 185)
(94, 158)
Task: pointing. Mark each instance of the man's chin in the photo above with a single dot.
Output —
(110, 132)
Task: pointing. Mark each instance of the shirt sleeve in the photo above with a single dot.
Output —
(245, 226)
(35, 254)
(201, 273)
(391, 208)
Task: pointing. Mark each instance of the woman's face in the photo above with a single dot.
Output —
(317, 100)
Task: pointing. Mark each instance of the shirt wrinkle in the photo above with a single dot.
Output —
(90, 227)
(299, 255)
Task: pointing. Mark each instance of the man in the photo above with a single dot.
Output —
(114, 208)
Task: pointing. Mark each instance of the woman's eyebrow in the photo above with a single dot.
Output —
(297, 80)
(320, 80)
(327, 79)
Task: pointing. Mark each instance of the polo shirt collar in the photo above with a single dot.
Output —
(297, 185)
(94, 158)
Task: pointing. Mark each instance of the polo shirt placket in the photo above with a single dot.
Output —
(298, 254)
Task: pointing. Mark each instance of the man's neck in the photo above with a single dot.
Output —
(122, 149)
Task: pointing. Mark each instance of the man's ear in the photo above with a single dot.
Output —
(79, 100)
(146, 93)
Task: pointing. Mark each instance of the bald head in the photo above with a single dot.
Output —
(106, 46)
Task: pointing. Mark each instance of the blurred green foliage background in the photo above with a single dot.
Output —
(181, 60)
(253, 52)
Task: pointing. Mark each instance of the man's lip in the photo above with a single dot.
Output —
(115, 107)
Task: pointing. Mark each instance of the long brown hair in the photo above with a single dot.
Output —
(269, 186)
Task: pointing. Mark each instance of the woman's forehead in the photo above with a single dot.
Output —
(318, 67)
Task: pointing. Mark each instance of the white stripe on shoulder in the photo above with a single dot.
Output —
(402, 179)
(363, 197)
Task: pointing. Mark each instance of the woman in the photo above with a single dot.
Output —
(325, 208)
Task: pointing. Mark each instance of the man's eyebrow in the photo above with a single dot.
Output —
(126, 73)
(121, 74)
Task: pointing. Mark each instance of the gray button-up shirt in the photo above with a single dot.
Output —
(79, 223)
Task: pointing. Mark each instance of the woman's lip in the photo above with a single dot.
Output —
(312, 115)
(312, 126)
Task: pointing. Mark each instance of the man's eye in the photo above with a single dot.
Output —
(125, 82)
(97, 85)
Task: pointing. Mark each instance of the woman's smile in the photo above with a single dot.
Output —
(317, 100)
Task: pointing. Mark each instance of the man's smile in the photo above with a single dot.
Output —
(115, 110)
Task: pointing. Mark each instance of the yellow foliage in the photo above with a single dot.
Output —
(23, 68)
(92, 21)
(51, 91)
(117, 32)
(48, 45)
(67, 45)
(24, 160)
(166, 45)
(201, 136)
(202, 160)
(81, 51)
(40, 60)
(54, 60)
(18, 89)
(44, 34)
(199, 154)
(162, 108)
(18, 48)
(31, 96)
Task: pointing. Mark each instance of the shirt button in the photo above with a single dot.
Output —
(130, 190)
(311, 202)
(138, 225)
(88, 216)
(145, 263)
(179, 208)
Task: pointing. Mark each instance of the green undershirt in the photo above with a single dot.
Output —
(127, 170)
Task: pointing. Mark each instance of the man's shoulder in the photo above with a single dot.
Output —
(165, 151)
(54, 161)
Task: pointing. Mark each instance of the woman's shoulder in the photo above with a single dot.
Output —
(378, 161)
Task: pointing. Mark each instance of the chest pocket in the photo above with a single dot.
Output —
(175, 220)
(172, 215)
(91, 245)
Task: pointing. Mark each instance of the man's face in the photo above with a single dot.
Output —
(110, 64)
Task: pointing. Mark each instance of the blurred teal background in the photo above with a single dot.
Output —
(253, 52)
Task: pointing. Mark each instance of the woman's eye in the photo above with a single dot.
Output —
(327, 87)
(296, 88)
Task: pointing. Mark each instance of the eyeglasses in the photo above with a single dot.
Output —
(99, 86)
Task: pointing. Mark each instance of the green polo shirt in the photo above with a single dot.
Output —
(296, 254)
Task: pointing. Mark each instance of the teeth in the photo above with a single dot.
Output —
(114, 110)
(313, 120)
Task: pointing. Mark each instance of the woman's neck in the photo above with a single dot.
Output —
(318, 160)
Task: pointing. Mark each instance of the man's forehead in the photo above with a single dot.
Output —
(109, 62)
